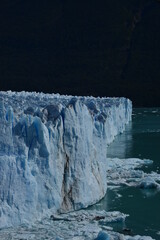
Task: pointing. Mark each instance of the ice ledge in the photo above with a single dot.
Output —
(53, 152)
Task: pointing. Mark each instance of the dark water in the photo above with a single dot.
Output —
(140, 140)
(107, 48)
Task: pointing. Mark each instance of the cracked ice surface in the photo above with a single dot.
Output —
(53, 152)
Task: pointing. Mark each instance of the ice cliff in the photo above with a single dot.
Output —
(53, 152)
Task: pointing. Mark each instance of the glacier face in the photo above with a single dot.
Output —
(53, 152)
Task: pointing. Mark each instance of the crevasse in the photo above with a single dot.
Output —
(53, 152)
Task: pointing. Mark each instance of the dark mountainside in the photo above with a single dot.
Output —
(100, 48)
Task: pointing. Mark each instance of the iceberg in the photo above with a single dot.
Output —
(149, 183)
(53, 152)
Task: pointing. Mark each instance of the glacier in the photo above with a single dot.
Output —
(53, 152)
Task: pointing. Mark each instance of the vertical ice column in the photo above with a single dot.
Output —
(2, 109)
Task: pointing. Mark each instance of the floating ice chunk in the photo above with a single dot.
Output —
(137, 237)
(155, 111)
(107, 228)
(148, 182)
(102, 236)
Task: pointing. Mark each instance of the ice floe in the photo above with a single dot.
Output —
(127, 172)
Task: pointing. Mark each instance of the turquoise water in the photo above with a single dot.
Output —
(140, 140)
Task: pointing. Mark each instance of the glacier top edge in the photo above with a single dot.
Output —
(51, 95)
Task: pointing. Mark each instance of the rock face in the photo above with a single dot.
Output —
(53, 152)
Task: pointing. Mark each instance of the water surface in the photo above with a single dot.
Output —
(140, 140)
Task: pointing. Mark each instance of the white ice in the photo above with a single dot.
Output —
(127, 172)
(79, 225)
(53, 152)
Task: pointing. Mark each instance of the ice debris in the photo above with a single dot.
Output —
(148, 183)
(126, 172)
(78, 225)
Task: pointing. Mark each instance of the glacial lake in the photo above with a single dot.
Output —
(140, 140)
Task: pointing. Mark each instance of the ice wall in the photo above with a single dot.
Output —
(53, 152)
